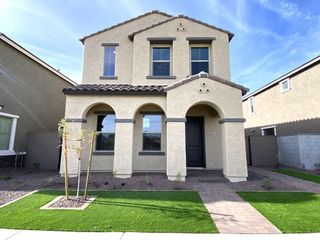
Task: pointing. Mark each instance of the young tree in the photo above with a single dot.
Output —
(92, 138)
(63, 133)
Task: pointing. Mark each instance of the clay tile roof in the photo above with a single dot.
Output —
(110, 89)
(131, 36)
(127, 21)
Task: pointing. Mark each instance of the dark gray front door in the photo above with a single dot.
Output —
(195, 142)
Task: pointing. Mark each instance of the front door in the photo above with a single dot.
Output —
(195, 142)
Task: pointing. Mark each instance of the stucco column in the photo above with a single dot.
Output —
(234, 153)
(122, 167)
(74, 127)
(176, 149)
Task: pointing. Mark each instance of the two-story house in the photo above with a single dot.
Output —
(31, 105)
(288, 108)
(157, 89)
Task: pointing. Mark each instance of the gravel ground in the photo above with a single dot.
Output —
(14, 183)
(72, 202)
(255, 183)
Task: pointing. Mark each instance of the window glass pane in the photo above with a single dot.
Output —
(199, 53)
(161, 53)
(152, 123)
(161, 69)
(105, 142)
(152, 132)
(5, 132)
(152, 141)
(285, 85)
(109, 61)
(197, 67)
(106, 128)
(269, 132)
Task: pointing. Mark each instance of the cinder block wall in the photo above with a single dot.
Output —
(300, 151)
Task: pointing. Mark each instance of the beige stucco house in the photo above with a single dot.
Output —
(283, 119)
(287, 105)
(158, 90)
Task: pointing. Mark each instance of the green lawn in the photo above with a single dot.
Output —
(114, 211)
(297, 174)
(291, 212)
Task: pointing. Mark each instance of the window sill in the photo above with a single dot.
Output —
(161, 77)
(108, 77)
(151, 153)
(97, 153)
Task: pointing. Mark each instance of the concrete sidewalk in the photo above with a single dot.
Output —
(6, 234)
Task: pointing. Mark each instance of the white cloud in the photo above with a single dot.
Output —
(286, 9)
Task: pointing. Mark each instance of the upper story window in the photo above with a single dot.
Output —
(161, 61)
(109, 61)
(106, 132)
(252, 106)
(151, 132)
(199, 60)
(269, 131)
(285, 85)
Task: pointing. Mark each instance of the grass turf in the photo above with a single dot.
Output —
(291, 212)
(301, 175)
(114, 211)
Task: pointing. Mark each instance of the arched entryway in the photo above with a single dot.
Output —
(101, 118)
(203, 137)
(149, 139)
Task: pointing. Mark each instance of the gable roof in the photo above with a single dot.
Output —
(293, 72)
(22, 50)
(230, 34)
(206, 75)
(125, 22)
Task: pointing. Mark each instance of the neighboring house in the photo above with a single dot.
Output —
(157, 89)
(31, 100)
(289, 107)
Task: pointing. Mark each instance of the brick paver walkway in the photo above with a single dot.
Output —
(231, 213)
(301, 184)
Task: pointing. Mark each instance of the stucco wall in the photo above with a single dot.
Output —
(133, 57)
(94, 52)
(219, 51)
(298, 107)
(30, 91)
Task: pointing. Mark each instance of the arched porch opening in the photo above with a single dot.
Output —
(204, 137)
(100, 117)
(149, 139)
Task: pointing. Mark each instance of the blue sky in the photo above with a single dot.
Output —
(271, 36)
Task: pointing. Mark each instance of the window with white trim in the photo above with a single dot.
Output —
(269, 131)
(252, 106)
(285, 85)
(8, 123)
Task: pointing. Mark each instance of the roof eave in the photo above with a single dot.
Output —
(82, 40)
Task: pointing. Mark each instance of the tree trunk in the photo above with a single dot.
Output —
(89, 167)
